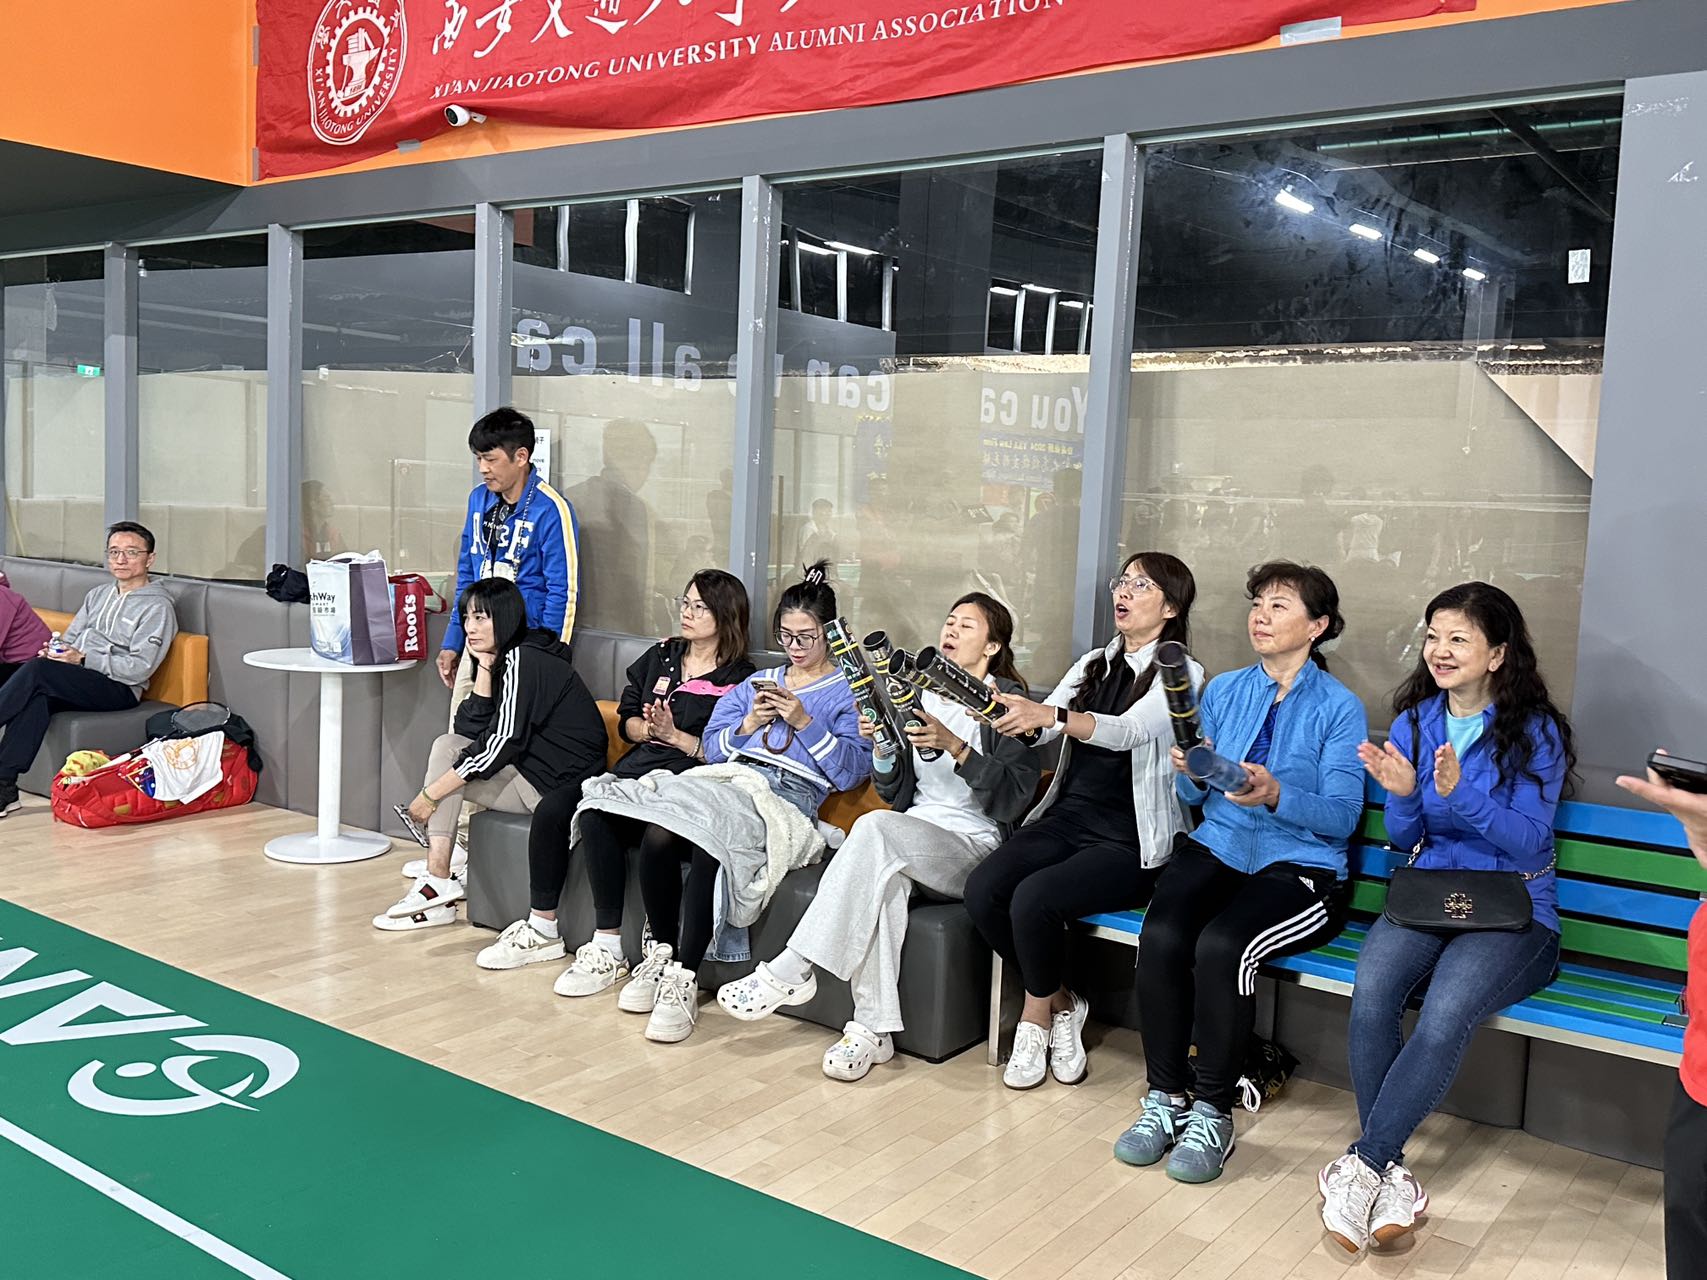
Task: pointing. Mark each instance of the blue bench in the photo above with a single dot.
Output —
(1627, 889)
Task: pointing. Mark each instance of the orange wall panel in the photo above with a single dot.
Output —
(162, 83)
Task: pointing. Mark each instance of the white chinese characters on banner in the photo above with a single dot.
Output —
(610, 15)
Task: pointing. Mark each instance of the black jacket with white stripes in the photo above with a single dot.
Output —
(542, 719)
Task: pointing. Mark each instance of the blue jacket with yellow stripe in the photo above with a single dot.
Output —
(539, 541)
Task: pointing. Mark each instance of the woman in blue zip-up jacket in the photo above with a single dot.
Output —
(1474, 767)
(1260, 878)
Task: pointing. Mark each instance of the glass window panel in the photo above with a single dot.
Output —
(1363, 346)
(388, 389)
(633, 384)
(51, 333)
(915, 456)
(202, 405)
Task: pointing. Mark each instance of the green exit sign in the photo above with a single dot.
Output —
(88, 371)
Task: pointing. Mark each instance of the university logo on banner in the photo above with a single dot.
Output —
(355, 63)
(384, 72)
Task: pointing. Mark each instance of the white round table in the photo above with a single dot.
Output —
(331, 841)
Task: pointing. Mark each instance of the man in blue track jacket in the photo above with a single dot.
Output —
(517, 527)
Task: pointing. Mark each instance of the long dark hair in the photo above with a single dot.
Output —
(1520, 694)
(500, 600)
(726, 597)
(1179, 589)
(813, 594)
(1317, 592)
(1001, 624)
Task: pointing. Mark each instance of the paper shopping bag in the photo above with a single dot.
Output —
(349, 610)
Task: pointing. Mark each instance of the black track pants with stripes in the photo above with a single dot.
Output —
(1206, 931)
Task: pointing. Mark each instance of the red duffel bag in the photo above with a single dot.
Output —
(115, 794)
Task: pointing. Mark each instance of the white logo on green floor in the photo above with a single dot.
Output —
(139, 1015)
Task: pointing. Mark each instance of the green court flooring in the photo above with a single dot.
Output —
(153, 1124)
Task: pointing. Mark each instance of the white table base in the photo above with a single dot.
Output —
(348, 845)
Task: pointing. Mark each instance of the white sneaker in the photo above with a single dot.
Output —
(641, 993)
(1348, 1188)
(1029, 1061)
(519, 945)
(415, 868)
(428, 892)
(595, 970)
(853, 1056)
(676, 1011)
(1399, 1202)
(420, 920)
(1068, 1061)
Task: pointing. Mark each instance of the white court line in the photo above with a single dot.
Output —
(188, 1232)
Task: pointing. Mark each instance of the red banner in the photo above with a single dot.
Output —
(344, 79)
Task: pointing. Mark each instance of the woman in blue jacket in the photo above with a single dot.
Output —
(1474, 767)
(1260, 878)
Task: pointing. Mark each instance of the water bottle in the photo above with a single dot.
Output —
(55, 646)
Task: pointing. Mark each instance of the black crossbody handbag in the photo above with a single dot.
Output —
(1450, 901)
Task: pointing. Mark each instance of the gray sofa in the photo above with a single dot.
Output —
(945, 966)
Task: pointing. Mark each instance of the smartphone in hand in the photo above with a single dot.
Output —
(1685, 775)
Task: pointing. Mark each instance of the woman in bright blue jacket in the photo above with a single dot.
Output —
(1261, 877)
(1474, 767)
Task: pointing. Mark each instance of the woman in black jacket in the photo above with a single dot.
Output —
(665, 705)
(530, 728)
(946, 813)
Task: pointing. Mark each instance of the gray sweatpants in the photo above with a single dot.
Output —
(506, 791)
(858, 918)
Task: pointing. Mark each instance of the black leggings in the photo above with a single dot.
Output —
(605, 842)
(1025, 894)
(1207, 930)
(673, 903)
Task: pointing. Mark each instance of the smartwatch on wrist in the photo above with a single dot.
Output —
(1061, 714)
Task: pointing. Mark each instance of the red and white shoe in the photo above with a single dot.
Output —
(428, 892)
(420, 920)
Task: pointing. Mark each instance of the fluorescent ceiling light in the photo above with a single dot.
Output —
(1364, 230)
(1076, 305)
(1004, 291)
(851, 248)
(1039, 288)
(1286, 200)
(1423, 255)
(1470, 273)
(818, 249)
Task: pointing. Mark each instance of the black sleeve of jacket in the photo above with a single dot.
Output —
(508, 717)
(585, 729)
(1004, 773)
(474, 715)
(642, 674)
(897, 786)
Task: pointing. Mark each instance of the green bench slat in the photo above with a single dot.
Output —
(1642, 867)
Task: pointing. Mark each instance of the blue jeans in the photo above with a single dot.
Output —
(1469, 976)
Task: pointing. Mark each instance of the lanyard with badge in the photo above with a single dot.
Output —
(517, 541)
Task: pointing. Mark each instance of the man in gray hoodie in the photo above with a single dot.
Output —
(102, 662)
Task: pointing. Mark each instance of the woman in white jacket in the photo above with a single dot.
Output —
(1098, 839)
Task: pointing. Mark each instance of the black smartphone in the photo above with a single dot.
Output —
(1685, 775)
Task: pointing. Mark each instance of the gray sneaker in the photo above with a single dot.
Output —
(1205, 1142)
(1152, 1133)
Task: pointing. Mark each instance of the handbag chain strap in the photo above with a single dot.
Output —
(1552, 863)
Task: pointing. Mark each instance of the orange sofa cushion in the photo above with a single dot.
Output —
(181, 679)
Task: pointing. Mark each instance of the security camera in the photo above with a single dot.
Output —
(459, 116)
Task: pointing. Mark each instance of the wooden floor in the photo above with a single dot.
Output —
(939, 1158)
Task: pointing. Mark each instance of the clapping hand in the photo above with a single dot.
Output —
(1388, 766)
(1446, 771)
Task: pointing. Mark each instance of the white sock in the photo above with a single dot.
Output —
(611, 942)
(442, 883)
(543, 927)
(1178, 1099)
(790, 968)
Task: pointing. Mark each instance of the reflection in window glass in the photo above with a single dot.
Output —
(202, 405)
(50, 333)
(925, 457)
(388, 390)
(1365, 347)
(631, 379)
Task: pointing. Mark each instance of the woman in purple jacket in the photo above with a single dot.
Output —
(1474, 766)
